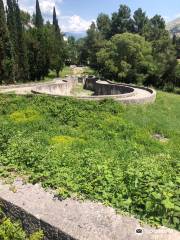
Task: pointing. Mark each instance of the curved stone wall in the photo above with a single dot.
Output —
(101, 87)
(63, 88)
(127, 94)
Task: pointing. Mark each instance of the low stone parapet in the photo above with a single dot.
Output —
(72, 219)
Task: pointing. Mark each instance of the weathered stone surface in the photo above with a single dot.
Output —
(71, 219)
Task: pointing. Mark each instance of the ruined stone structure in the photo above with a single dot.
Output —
(102, 89)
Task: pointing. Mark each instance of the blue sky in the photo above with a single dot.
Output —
(76, 15)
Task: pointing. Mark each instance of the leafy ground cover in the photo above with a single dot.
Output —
(10, 230)
(101, 151)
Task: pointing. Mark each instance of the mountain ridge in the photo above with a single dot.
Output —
(174, 26)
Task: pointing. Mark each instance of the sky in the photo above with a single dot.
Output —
(77, 15)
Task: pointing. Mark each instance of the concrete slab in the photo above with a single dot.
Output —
(72, 219)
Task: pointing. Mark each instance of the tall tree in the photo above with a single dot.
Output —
(23, 67)
(104, 25)
(38, 17)
(71, 47)
(155, 29)
(55, 21)
(6, 51)
(25, 19)
(36, 40)
(17, 35)
(94, 42)
(11, 22)
(57, 54)
(121, 21)
(82, 51)
(38, 47)
(140, 20)
(163, 51)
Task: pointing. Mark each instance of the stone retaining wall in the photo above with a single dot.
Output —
(71, 219)
(63, 88)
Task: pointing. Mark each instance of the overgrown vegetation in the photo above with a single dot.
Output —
(13, 231)
(101, 151)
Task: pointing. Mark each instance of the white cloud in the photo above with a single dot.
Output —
(74, 23)
(47, 7)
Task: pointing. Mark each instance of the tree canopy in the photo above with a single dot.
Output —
(127, 57)
(118, 57)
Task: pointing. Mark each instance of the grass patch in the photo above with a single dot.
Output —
(101, 151)
(66, 71)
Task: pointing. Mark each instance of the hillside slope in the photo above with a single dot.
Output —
(174, 26)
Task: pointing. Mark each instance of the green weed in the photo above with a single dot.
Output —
(102, 151)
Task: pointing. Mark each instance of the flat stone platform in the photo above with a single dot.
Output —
(71, 219)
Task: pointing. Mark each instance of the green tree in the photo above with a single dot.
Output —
(71, 47)
(37, 43)
(165, 58)
(104, 25)
(82, 51)
(126, 57)
(38, 17)
(164, 53)
(93, 43)
(7, 74)
(57, 54)
(176, 43)
(23, 67)
(121, 21)
(25, 18)
(55, 22)
(17, 35)
(155, 28)
(11, 20)
(140, 20)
